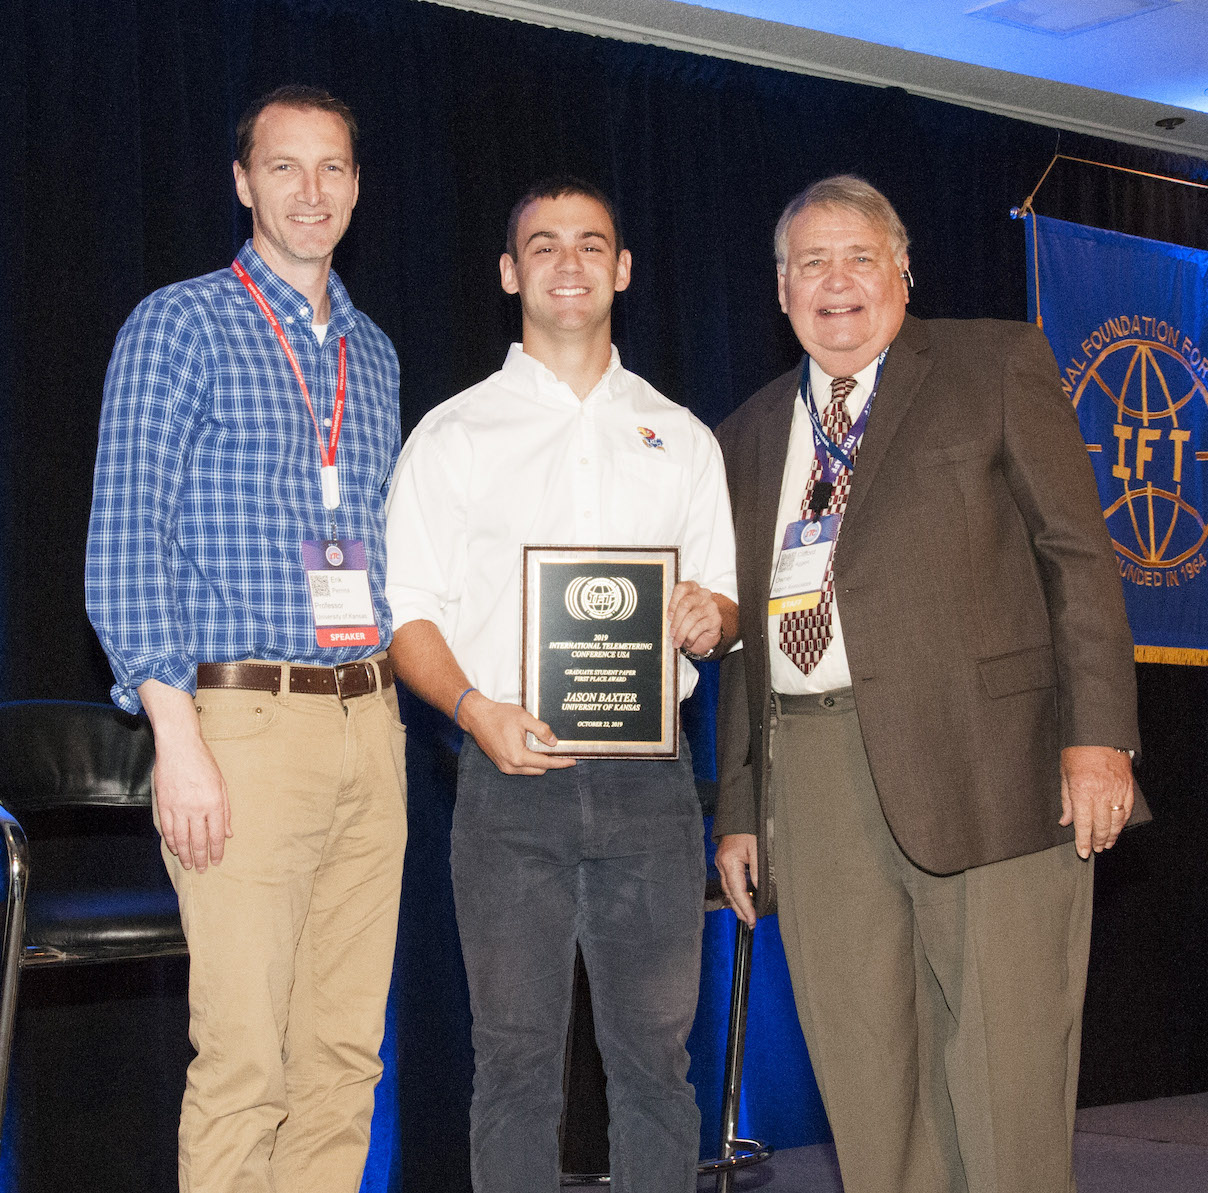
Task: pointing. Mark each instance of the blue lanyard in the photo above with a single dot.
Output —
(830, 454)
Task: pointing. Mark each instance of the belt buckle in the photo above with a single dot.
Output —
(339, 673)
(336, 675)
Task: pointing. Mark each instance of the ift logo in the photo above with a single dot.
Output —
(1140, 391)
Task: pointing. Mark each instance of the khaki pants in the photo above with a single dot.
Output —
(291, 942)
(943, 1014)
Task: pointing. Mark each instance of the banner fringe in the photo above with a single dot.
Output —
(1186, 656)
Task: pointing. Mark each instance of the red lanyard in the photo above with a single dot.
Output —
(326, 454)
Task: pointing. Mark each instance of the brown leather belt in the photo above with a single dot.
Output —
(349, 679)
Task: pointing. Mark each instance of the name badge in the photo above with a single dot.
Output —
(338, 577)
(801, 567)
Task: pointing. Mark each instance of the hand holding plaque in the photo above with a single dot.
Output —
(597, 662)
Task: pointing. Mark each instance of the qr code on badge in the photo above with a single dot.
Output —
(320, 586)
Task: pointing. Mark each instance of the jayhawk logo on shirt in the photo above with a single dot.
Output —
(648, 437)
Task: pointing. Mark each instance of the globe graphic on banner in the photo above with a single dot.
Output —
(1146, 389)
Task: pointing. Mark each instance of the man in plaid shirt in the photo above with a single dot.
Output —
(235, 577)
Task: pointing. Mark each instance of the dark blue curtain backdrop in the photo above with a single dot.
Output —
(116, 137)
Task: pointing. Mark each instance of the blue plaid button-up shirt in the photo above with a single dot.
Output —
(207, 477)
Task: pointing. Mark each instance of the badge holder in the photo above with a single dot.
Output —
(337, 575)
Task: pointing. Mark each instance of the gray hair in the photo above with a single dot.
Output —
(843, 190)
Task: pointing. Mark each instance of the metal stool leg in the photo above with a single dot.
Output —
(736, 1039)
(752, 1150)
(17, 857)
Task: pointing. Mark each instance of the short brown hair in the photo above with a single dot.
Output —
(293, 95)
(555, 188)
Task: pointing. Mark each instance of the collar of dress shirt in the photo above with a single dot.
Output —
(528, 375)
(289, 304)
(820, 385)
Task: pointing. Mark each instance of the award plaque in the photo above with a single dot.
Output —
(597, 664)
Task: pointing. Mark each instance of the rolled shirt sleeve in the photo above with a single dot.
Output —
(149, 416)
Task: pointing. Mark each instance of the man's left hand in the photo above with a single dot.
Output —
(699, 617)
(1096, 795)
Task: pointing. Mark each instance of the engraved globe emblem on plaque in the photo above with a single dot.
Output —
(601, 598)
(1146, 398)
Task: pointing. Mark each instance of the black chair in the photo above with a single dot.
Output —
(72, 770)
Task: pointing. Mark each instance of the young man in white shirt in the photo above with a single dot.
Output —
(563, 446)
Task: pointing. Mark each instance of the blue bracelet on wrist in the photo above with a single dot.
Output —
(457, 706)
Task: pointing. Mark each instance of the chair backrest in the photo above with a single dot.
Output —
(64, 753)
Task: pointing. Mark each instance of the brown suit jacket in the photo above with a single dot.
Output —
(981, 602)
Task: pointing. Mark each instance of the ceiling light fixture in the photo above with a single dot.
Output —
(1063, 18)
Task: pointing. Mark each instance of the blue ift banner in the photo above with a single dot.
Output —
(1128, 322)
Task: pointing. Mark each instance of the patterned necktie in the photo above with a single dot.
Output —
(806, 633)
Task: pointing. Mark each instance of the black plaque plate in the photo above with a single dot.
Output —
(597, 664)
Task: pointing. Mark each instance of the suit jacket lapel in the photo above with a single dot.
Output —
(905, 368)
(773, 446)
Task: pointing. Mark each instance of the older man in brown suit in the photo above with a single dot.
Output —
(935, 696)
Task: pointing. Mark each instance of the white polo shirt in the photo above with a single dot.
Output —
(519, 459)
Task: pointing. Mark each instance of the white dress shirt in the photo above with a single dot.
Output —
(832, 670)
(518, 459)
